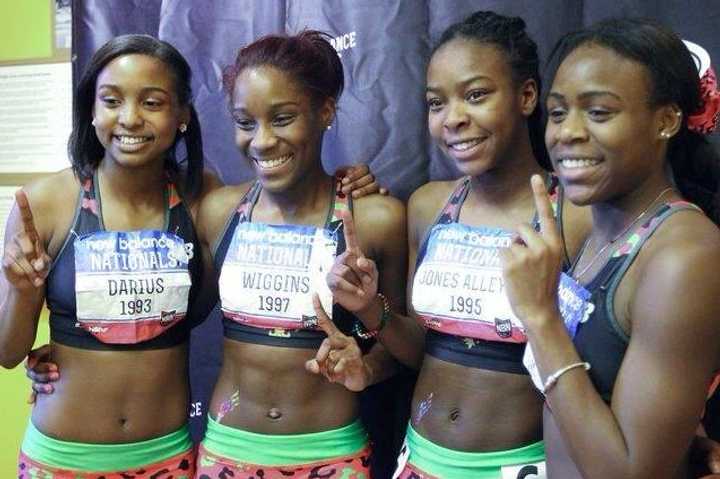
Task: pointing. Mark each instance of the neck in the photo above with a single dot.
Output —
(612, 218)
(303, 197)
(510, 181)
(135, 185)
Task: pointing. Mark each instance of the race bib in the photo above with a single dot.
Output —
(575, 308)
(130, 286)
(459, 289)
(271, 272)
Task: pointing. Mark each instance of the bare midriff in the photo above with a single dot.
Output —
(115, 396)
(266, 389)
(475, 410)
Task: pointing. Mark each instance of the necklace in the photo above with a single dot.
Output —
(613, 239)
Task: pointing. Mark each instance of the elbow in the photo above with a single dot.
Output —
(9, 358)
(10, 361)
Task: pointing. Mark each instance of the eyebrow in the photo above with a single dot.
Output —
(585, 95)
(463, 82)
(273, 106)
(144, 90)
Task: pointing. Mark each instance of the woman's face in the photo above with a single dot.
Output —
(277, 126)
(476, 112)
(602, 134)
(136, 111)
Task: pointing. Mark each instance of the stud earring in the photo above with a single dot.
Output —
(329, 127)
(664, 134)
(93, 122)
(182, 128)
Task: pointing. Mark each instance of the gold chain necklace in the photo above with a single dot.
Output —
(613, 239)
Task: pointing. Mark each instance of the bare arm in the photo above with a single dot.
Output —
(660, 389)
(22, 284)
(403, 335)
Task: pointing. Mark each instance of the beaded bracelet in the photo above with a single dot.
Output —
(553, 378)
(362, 332)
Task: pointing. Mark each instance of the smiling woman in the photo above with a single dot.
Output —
(120, 343)
(273, 241)
(136, 112)
(626, 387)
(475, 412)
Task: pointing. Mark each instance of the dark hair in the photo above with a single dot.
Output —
(673, 80)
(85, 149)
(508, 34)
(308, 57)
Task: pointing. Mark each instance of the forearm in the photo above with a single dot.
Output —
(401, 335)
(380, 364)
(590, 429)
(19, 312)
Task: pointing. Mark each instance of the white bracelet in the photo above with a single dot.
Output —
(553, 378)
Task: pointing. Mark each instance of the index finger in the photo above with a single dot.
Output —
(26, 215)
(352, 244)
(323, 321)
(544, 208)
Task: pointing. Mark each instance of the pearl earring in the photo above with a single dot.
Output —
(182, 128)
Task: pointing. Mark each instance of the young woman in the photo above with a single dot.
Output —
(626, 387)
(112, 248)
(109, 244)
(475, 411)
(272, 242)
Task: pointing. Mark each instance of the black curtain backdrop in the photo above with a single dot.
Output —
(384, 46)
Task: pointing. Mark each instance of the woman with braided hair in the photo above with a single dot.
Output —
(475, 412)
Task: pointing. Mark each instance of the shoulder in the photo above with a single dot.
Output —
(380, 221)
(53, 197)
(685, 241)
(378, 210)
(52, 189)
(678, 271)
(425, 204)
(210, 183)
(216, 207)
(433, 192)
(53, 200)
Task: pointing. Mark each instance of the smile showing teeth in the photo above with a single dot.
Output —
(569, 163)
(132, 140)
(273, 163)
(465, 145)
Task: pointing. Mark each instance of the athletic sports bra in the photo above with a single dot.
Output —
(268, 274)
(600, 340)
(123, 290)
(458, 290)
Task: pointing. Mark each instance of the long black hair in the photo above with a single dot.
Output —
(673, 80)
(508, 34)
(85, 149)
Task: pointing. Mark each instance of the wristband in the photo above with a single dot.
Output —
(362, 332)
(553, 378)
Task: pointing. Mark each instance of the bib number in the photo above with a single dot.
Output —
(270, 273)
(131, 285)
(458, 287)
